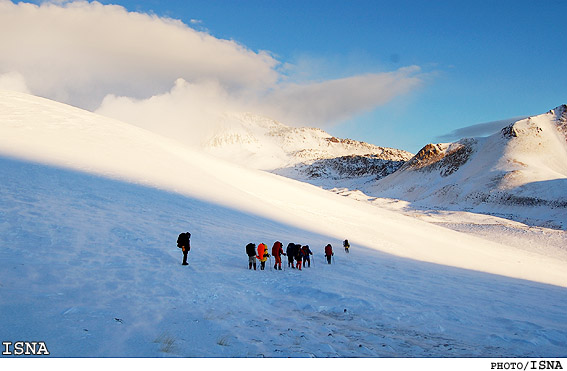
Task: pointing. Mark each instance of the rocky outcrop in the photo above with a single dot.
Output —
(447, 158)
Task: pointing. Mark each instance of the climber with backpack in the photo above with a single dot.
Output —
(184, 244)
(262, 255)
(251, 252)
(306, 258)
(329, 252)
(277, 252)
(346, 245)
(290, 251)
(298, 256)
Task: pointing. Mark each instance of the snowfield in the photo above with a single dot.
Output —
(90, 209)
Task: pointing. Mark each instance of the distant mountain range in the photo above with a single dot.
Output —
(300, 153)
(519, 172)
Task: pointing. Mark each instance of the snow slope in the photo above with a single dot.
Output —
(519, 172)
(91, 208)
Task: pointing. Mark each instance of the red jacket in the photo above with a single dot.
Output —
(277, 250)
(328, 250)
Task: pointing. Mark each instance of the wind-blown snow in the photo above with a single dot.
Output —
(91, 209)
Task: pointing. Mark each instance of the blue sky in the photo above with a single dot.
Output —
(479, 61)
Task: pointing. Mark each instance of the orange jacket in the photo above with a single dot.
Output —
(262, 252)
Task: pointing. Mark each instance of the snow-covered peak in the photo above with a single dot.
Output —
(535, 149)
(260, 142)
(560, 111)
(560, 117)
(525, 164)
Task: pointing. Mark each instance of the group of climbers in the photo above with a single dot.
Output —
(297, 254)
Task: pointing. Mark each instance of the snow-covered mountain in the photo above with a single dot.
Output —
(520, 171)
(90, 209)
(266, 144)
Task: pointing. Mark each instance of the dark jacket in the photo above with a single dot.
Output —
(290, 251)
(306, 251)
(298, 253)
(251, 249)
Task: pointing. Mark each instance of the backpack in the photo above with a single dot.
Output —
(183, 240)
(251, 249)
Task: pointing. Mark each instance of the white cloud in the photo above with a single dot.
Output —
(13, 81)
(187, 113)
(163, 75)
(331, 101)
(79, 52)
(479, 130)
(192, 110)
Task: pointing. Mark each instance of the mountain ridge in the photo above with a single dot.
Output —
(299, 153)
(523, 164)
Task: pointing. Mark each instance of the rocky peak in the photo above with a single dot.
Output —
(429, 154)
(447, 158)
(561, 119)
